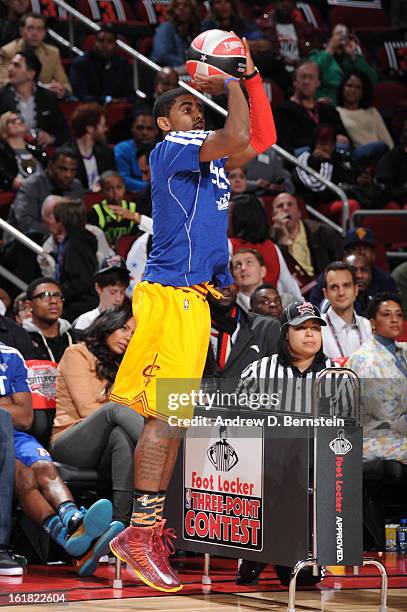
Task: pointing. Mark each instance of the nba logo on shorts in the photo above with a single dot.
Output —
(186, 304)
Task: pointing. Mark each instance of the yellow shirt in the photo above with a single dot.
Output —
(300, 251)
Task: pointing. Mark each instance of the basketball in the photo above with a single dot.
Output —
(216, 52)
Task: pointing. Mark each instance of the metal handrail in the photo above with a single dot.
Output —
(30, 244)
(287, 156)
(373, 212)
(64, 42)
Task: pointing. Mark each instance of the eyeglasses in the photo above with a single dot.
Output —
(46, 296)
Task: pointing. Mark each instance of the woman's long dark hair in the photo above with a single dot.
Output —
(367, 88)
(189, 30)
(249, 219)
(95, 338)
(236, 23)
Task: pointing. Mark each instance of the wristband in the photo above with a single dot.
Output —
(228, 80)
(251, 75)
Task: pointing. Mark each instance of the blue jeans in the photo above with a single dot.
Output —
(371, 152)
(7, 467)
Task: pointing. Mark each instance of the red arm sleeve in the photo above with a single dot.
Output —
(262, 128)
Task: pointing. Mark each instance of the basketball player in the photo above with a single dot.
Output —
(190, 194)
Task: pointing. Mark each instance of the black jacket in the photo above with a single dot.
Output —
(105, 160)
(324, 243)
(49, 115)
(14, 335)
(50, 348)
(295, 128)
(93, 78)
(77, 270)
(257, 337)
(8, 166)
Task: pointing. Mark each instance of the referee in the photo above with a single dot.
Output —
(292, 372)
(222, 455)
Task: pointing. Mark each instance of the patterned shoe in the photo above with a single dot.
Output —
(87, 565)
(165, 547)
(95, 521)
(135, 546)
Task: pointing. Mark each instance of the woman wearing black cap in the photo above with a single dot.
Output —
(292, 373)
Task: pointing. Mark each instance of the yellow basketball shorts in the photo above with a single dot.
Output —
(164, 361)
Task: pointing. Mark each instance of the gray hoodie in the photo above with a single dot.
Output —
(50, 348)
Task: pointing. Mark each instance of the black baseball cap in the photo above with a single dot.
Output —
(359, 235)
(298, 312)
(112, 262)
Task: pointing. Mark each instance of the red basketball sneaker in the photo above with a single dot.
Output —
(135, 546)
(164, 546)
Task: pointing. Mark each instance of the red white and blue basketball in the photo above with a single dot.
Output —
(216, 52)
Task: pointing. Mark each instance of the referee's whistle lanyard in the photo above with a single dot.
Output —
(335, 335)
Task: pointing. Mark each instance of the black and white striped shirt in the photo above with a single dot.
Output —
(271, 377)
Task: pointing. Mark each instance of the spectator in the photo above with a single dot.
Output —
(59, 179)
(19, 158)
(144, 131)
(10, 23)
(362, 121)
(345, 331)
(339, 57)
(297, 118)
(267, 173)
(101, 75)
(225, 15)
(115, 215)
(93, 155)
(239, 183)
(265, 300)
(249, 229)
(303, 242)
(14, 335)
(293, 38)
(89, 431)
(381, 365)
(41, 492)
(391, 172)
(164, 80)
(237, 337)
(21, 308)
(137, 256)
(249, 271)
(359, 246)
(399, 275)
(76, 261)
(37, 106)
(173, 37)
(9, 565)
(334, 166)
(49, 334)
(111, 282)
(33, 31)
(47, 260)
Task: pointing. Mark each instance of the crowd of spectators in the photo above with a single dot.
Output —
(85, 198)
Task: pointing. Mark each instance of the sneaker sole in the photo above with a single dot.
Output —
(100, 549)
(95, 523)
(130, 561)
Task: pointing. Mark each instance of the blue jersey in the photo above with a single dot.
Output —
(13, 373)
(190, 214)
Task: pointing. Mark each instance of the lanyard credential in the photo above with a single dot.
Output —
(335, 335)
